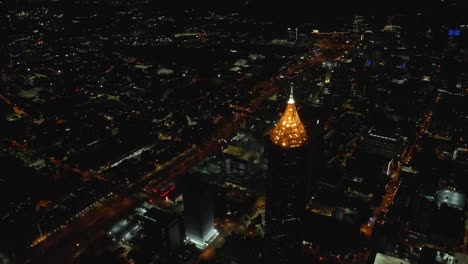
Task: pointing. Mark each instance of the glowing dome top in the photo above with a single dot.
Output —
(289, 132)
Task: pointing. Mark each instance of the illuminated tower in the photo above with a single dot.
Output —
(198, 212)
(454, 41)
(286, 186)
(289, 132)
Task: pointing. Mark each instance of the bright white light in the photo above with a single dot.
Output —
(208, 239)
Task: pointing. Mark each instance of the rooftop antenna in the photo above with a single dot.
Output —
(291, 95)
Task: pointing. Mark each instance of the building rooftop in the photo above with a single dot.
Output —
(385, 259)
(237, 152)
(451, 198)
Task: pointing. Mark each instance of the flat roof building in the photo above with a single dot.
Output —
(199, 213)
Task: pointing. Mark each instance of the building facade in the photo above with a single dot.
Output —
(286, 186)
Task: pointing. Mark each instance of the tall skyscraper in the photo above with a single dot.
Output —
(453, 47)
(293, 34)
(286, 186)
(199, 213)
(164, 228)
(429, 41)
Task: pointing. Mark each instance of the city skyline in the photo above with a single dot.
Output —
(241, 132)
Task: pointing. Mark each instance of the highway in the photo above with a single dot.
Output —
(79, 234)
(82, 233)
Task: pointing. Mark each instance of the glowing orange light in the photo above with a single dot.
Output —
(289, 132)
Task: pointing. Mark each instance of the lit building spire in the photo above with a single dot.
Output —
(289, 132)
(291, 95)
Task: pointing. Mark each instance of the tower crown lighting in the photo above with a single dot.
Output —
(289, 132)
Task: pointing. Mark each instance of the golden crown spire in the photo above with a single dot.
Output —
(289, 132)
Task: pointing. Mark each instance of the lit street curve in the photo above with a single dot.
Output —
(58, 247)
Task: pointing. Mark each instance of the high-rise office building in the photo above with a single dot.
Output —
(199, 213)
(293, 34)
(238, 163)
(385, 144)
(453, 46)
(165, 228)
(359, 24)
(286, 186)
